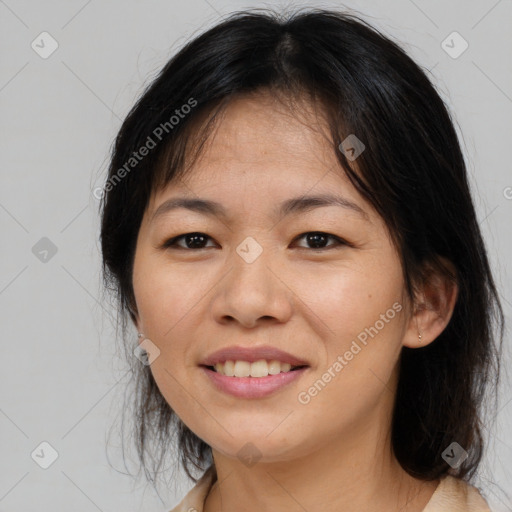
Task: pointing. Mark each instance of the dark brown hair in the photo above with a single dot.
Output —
(412, 171)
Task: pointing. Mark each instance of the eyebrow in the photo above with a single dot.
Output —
(294, 206)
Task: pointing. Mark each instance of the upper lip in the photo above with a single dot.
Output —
(252, 354)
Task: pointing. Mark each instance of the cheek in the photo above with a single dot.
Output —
(350, 298)
(165, 295)
(356, 371)
(166, 299)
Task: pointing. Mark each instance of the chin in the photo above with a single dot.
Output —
(258, 446)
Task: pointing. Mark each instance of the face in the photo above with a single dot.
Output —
(320, 282)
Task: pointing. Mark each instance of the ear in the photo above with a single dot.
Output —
(134, 315)
(433, 308)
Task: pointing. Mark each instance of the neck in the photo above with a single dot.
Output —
(331, 486)
(353, 472)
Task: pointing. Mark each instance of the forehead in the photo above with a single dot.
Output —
(263, 153)
(260, 131)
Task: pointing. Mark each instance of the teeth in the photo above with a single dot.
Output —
(229, 368)
(242, 369)
(260, 368)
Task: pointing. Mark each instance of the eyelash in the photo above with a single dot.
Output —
(172, 242)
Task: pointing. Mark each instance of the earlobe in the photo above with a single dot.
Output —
(433, 309)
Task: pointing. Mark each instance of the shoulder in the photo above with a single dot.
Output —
(456, 495)
(194, 500)
(452, 495)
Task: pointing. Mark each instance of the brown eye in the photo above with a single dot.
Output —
(315, 240)
(192, 241)
(319, 240)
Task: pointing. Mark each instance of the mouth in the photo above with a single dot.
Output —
(252, 372)
(248, 382)
(257, 369)
(255, 361)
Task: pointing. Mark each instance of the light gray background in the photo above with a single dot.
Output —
(61, 382)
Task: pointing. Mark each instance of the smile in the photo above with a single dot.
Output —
(251, 387)
(258, 369)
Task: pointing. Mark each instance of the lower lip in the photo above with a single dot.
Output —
(252, 387)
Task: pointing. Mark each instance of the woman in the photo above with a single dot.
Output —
(288, 224)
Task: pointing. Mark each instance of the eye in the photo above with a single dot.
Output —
(198, 240)
(192, 241)
(318, 240)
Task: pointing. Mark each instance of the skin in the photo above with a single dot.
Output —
(333, 453)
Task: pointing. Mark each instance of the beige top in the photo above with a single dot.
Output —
(451, 495)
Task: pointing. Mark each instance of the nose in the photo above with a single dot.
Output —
(252, 293)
